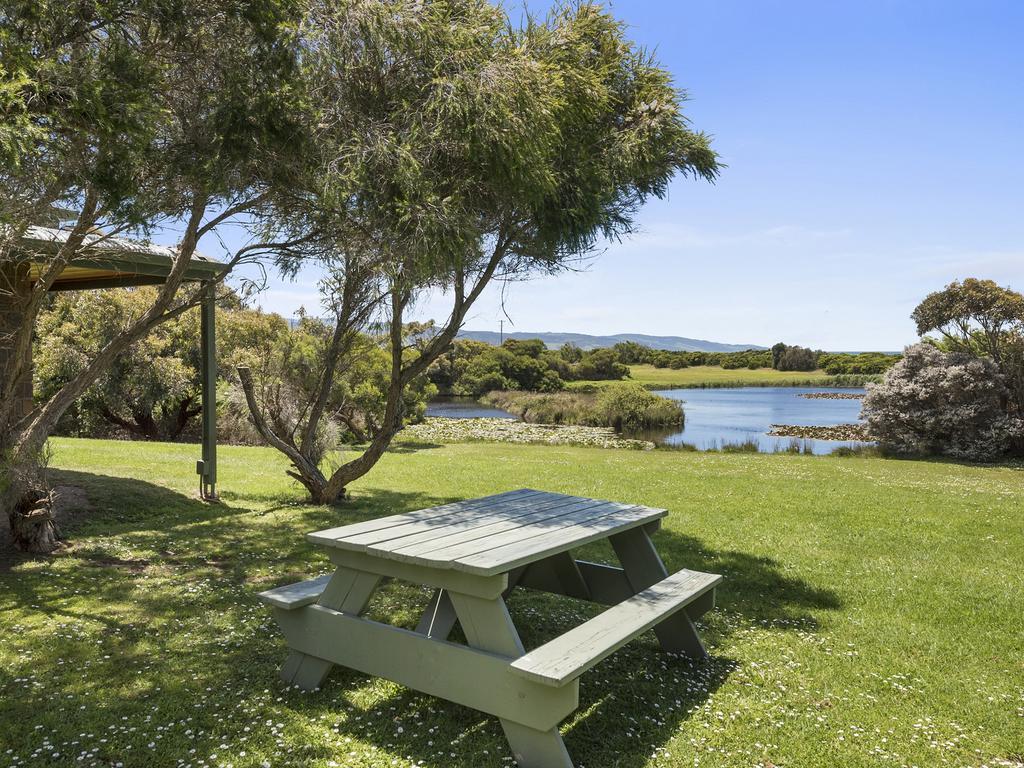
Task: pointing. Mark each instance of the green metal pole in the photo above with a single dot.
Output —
(208, 468)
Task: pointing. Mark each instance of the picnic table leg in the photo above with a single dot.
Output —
(439, 618)
(348, 591)
(489, 627)
(644, 568)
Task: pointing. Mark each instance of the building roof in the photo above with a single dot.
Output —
(110, 262)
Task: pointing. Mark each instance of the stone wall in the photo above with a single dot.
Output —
(13, 288)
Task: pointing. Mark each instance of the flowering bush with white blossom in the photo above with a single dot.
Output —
(943, 403)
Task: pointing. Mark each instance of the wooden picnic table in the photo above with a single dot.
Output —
(473, 553)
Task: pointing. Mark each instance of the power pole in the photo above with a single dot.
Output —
(501, 332)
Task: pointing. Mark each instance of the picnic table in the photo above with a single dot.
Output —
(473, 553)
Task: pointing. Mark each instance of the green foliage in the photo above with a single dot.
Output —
(973, 316)
(450, 145)
(632, 352)
(781, 357)
(750, 359)
(473, 368)
(153, 390)
(144, 103)
(621, 406)
(288, 370)
(630, 406)
(794, 358)
(870, 363)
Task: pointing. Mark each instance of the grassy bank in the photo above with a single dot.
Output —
(618, 405)
(870, 616)
(712, 376)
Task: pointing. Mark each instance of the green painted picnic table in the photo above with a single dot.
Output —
(473, 553)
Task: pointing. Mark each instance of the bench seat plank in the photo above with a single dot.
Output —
(568, 656)
(296, 595)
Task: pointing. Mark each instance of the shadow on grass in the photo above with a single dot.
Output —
(149, 565)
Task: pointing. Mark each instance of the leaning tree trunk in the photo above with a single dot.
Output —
(28, 505)
(33, 528)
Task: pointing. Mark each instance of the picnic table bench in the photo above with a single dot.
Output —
(473, 553)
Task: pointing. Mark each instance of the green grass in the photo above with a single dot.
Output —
(713, 376)
(871, 615)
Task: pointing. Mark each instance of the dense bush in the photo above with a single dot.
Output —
(750, 358)
(838, 363)
(621, 406)
(942, 403)
(793, 358)
(630, 406)
(152, 391)
(473, 368)
(782, 357)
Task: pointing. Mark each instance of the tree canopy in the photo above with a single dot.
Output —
(451, 148)
(130, 116)
(973, 315)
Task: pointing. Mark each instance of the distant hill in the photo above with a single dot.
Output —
(586, 341)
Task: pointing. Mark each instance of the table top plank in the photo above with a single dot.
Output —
(457, 550)
(329, 536)
(473, 527)
(552, 542)
(446, 524)
(491, 535)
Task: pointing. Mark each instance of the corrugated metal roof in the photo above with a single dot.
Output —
(111, 261)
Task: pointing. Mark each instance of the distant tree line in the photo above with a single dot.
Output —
(473, 368)
(781, 357)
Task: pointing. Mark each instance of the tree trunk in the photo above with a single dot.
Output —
(30, 514)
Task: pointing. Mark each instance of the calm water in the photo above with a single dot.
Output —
(464, 408)
(718, 417)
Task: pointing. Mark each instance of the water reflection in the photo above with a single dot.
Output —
(464, 408)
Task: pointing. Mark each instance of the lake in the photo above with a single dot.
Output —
(719, 417)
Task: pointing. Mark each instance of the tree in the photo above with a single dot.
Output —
(974, 316)
(453, 148)
(151, 390)
(778, 351)
(632, 352)
(788, 358)
(980, 317)
(570, 353)
(942, 403)
(135, 115)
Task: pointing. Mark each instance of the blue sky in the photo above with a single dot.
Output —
(873, 153)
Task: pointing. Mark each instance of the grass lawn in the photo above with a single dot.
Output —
(871, 615)
(712, 375)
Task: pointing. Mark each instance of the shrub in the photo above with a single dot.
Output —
(621, 406)
(630, 406)
(942, 403)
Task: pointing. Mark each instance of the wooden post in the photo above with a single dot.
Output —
(208, 362)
